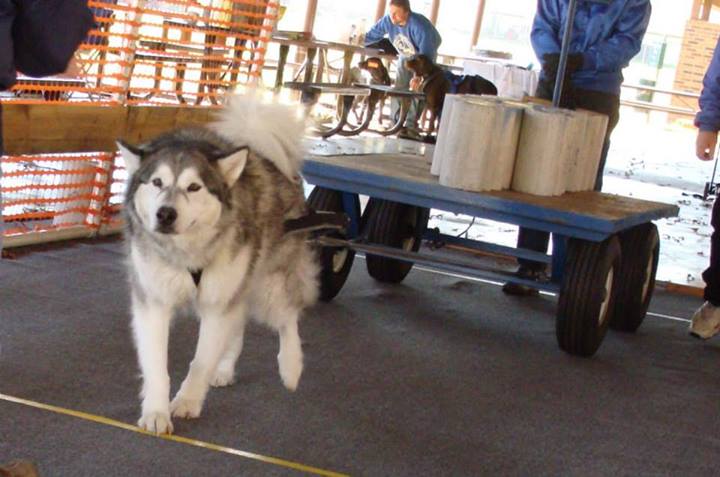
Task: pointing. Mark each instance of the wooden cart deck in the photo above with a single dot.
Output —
(406, 178)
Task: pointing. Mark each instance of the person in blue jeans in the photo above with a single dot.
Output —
(706, 320)
(606, 35)
(38, 38)
(411, 34)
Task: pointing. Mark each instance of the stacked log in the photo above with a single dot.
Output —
(478, 152)
(486, 143)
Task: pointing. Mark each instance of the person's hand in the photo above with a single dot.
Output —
(705, 145)
(415, 83)
(551, 62)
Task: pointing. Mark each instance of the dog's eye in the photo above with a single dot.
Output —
(157, 182)
(194, 187)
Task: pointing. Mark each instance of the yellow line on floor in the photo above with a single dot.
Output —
(170, 437)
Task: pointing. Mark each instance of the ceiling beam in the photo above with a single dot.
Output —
(478, 23)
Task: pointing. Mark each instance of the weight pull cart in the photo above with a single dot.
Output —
(605, 251)
(604, 258)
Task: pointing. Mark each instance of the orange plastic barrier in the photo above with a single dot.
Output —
(56, 191)
(162, 52)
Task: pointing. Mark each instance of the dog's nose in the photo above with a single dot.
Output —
(166, 216)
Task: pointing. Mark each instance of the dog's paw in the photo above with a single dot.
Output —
(186, 408)
(290, 371)
(156, 422)
(223, 377)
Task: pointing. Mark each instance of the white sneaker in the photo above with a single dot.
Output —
(706, 321)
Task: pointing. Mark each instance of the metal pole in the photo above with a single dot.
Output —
(564, 51)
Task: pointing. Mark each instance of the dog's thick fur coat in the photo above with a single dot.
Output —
(205, 210)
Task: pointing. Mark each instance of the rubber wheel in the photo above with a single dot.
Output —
(587, 294)
(395, 225)
(640, 253)
(335, 262)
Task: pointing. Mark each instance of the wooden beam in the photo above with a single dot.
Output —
(695, 13)
(478, 23)
(310, 14)
(434, 9)
(707, 7)
(48, 129)
(145, 123)
(380, 11)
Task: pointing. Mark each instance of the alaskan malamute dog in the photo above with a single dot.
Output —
(205, 210)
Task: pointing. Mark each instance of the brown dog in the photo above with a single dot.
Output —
(436, 83)
(378, 75)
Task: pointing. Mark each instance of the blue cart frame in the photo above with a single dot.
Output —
(585, 217)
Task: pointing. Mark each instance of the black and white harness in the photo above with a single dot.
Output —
(316, 221)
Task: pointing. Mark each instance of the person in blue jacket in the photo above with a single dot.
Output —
(411, 34)
(606, 35)
(706, 320)
(38, 38)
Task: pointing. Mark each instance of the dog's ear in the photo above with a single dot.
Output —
(232, 164)
(132, 155)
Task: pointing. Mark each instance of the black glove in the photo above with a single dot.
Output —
(551, 61)
(546, 86)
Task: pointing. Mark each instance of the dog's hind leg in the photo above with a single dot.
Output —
(225, 372)
(290, 357)
(151, 327)
(215, 330)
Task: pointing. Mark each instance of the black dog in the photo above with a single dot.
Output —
(436, 83)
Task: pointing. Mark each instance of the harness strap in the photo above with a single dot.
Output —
(430, 78)
(196, 276)
(316, 221)
(313, 221)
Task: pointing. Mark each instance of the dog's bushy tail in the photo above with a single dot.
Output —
(273, 131)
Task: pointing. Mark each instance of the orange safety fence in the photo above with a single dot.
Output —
(141, 52)
(55, 191)
(185, 52)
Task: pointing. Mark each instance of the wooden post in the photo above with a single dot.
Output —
(434, 8)
(478, 23)
(707, 6)
(697, 5)
(380, 12)
(310, 14)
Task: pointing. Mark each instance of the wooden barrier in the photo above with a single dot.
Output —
(60, 128)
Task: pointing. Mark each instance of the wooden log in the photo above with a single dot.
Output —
(481, 144)
(584, 167)
(442, 135)
(550, 137)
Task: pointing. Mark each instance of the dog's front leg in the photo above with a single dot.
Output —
(151, 325)
(216, 328)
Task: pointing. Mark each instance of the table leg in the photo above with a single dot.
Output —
(311, 52)
(179, 78)
(347, 61)
(284, 49)
(322, 59)
(207, 77)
